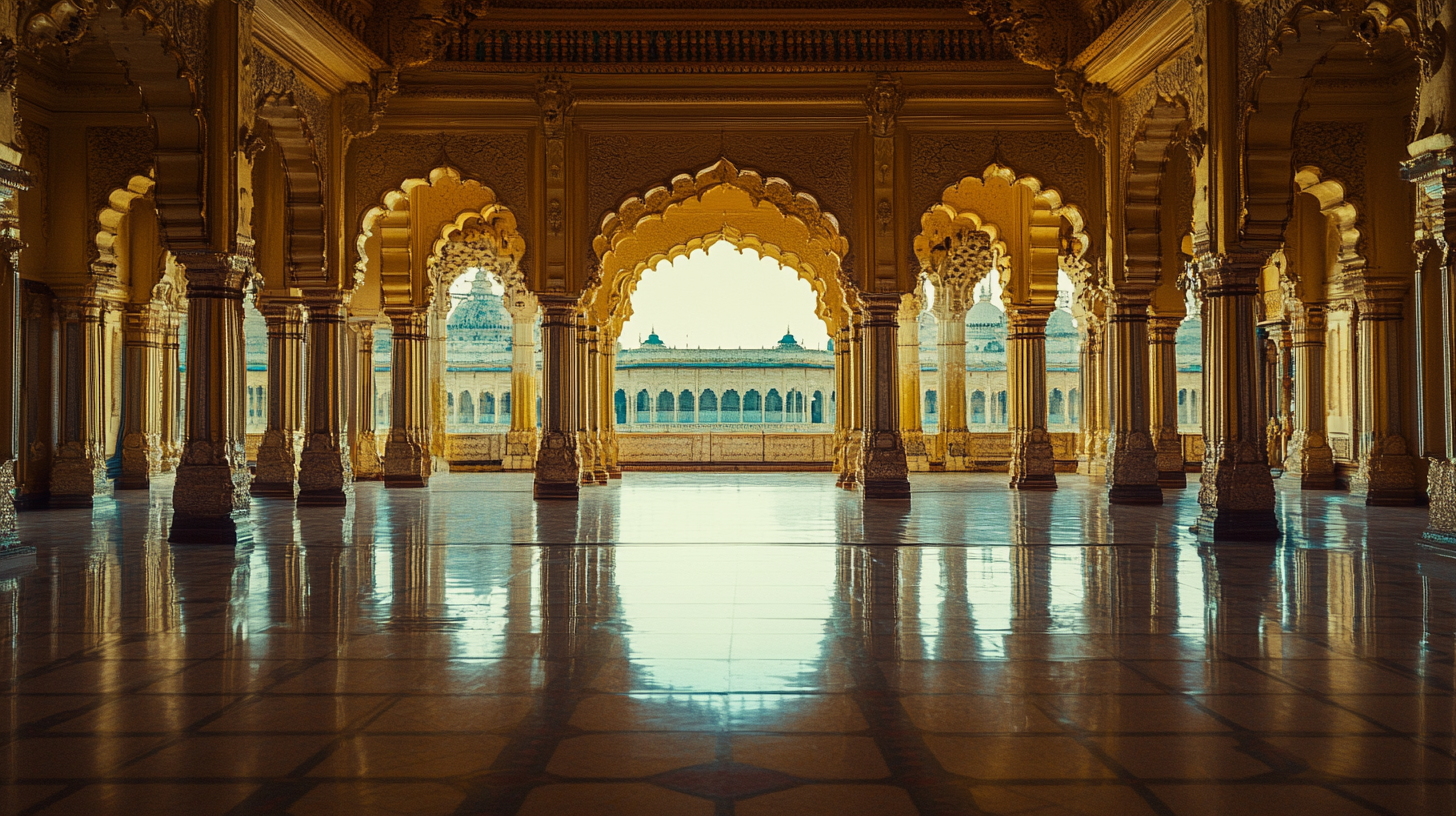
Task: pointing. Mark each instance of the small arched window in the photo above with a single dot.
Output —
(685, 406)
(978, 407)
(816, 408)
(487, 407)
(708, 406)
(774, 403)
(1074, 406)
(467, 408)
(731, 409)
(505, 407)
(1056, 408)
(619, 406)
(664, 406)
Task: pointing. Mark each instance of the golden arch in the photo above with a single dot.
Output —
(1161, 127)
(113, 215)
(303, 200)
(719, 203)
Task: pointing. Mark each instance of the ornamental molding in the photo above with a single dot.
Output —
(273, 78)
(1179, 80)
(941, 159)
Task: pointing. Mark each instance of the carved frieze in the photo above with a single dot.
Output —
(1178, 79)
(273, 77)
(1337, 149)
(113, 156)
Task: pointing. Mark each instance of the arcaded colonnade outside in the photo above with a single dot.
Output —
(1281, 167)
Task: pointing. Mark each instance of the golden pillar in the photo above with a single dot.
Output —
(210, 500)
(12, 555)
(1092, 370)
(842, 413)
(171, 386)
(78, 476)
(276, 473)
(1163, 392)
(607, 371)
(1386, 474)
(911, 429)
(367, 465)
(144, 332)
(324, 472)
(558, 468)
(589, 400)
(883, 466)
(407, 460)
(1132, 464)
(37, 389)
(521, 439)
(1237, 491)
(439, 412)
(950, 326)
(1309, 462)
(851, 403)
(1032, 465)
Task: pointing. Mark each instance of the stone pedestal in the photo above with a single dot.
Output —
(1237, 490)
(276, 473)
(1132, 462)
(558, 467)
(325, 475)
(1033, 465)
(210, 500)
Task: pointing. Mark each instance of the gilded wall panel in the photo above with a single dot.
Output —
(1337, 149)
(939, 160)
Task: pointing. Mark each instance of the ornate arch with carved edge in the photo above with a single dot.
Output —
(156, 64)
(487, 239)
(304, 219)
(946, 236)
(1302, 41)
(392, 236)
(1162, 127)
(162, 283)
(1055, 227)
(1342, 214)
(693, 212)
(111, 218)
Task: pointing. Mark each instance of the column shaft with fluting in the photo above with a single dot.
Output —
(407, 459)
(10, 397)
(1132, 465)
(951, 363)
(325, 474)
(276, 474)
(1310, 462)
(585, 400)
(144, 329)
(558, 469)
(1163, 392)
(521, 439)
(78, 476)
(1386, 474)
(842, 413)
(1032, 465)
(210, 500)
(911, 428)
(884, 472)
(367, 465)
(1236, 490)
(1093, 376)
(608, 374)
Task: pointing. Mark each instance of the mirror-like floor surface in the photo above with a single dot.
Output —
(1040, 654)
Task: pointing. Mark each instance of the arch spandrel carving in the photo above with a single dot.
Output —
(1161, 128)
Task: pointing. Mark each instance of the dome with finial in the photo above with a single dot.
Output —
(653, 339)
(787, 342)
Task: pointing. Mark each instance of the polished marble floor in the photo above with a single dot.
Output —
(1040, 654)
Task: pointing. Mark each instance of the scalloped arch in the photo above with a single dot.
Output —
(1161, 127)
(1330, 193)
(304, 211)
(111, 217)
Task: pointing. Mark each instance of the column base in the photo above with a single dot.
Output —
(887, 489)
(1237, 525)
(1039, 481)
(272, 490)
(330, 497)
(16, 559)
(556, 491)
(1135, 494)
(405, 481)
(1172, 480)
(232, 529)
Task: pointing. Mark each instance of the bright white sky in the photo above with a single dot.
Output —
(723, 298)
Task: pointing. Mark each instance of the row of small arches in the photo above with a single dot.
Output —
(991, 409)
(731, 407)
(482, 409)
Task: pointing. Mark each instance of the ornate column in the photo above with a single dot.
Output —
(1310, 463)
(607, 368)
(1237, 491)
(439, 415)
(521, 439)
(144, 329)
(12, 555)
(1132, 463)
(885, 474)
(854, 405)
(585, 421)
(1032, 464)
(1386, 474)
(1092, 372)
(558, 468)
(407, 460)
(842, 414)
(950, 320)
(1163, 390)
(78, 476)
(367, 465)
(911, 430)
(210, 500)
(171, 386)
(324, 473)
(276, 475)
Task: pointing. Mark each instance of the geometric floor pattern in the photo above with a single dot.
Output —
(752, 646)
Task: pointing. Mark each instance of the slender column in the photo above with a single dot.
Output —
(12, 555)
(521, 439)
(951, 361)
(1309, 463)
(1163, 390)
(854, 406)
(1132, 464)
(911, 430)
(407, 460)
(276, 474)
(884, 466)
(210, 500)
(171, 386)
(1237, 491)
(1093, 375)
(79, 474)
(1032, 466)
(1387, 472)
(435, 383)
(608, 369)
(557, 466)
(842, 413)
(367, 465)
(585, 443)
(324, 474)
(143, 337)
(598, 403)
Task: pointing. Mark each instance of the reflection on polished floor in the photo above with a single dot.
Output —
(387, 658)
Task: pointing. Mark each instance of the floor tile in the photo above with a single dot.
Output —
(622, 799)
(389, 756)
(816, 757)
(377, 799)
(1024, 757)
(623, 756)
(153, 799)
(832, 800)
